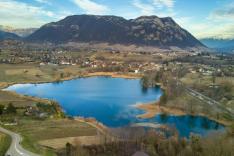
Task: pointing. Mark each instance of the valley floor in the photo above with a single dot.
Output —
(55, 131)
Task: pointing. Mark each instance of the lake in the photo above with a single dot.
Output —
(111, 101)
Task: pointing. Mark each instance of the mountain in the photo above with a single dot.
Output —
(6, 35)
(224, 45)
(218, 43)
(22, 32)
(145, 30)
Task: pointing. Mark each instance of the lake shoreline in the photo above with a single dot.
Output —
(4, 85)
(95, 123)
(153, 109)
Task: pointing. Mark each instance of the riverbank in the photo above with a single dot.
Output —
(153, 109)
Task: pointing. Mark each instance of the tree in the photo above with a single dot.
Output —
(163, 98)
(68, 149)
(11, 109)
(196, 145)
(1, 109)
(231, 130)
(61, 75)
(145, 82)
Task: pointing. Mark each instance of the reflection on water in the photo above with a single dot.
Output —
(188, 124)
(110, 101)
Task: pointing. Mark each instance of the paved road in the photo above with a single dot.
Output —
(15, 148)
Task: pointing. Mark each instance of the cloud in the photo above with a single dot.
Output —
(22, 15)
(208, 28)
(221, 31)
(91, 7)
(145, 9)
(226, 13)
(164, 3)
(160, 8)
(219, 24)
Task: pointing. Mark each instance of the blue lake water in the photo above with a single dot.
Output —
(111, 101)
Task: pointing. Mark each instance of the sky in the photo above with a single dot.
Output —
(202, 18)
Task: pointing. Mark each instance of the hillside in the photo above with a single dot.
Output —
(22, 32)
(6, 35)
(145, 30)
(221, 45)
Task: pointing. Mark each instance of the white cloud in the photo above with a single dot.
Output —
(207, 28)
(145, 9)
(91, 7)
(218, 24)
(226, 13)
(161, 8)
(222, 31)
(164, 3)
(22, 15)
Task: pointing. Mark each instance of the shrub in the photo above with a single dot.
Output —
(11, 109)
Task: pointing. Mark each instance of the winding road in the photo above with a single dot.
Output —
(16, 149)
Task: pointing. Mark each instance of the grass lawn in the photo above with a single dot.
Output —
(5, 142)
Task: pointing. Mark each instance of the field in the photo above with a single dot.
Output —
(26, 73)
(60, 143)
(46, 136)
(5, 142)
(35, 132)
(39, 134)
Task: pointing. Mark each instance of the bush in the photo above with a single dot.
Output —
(163, 99)
(1, 109)
(11, 109)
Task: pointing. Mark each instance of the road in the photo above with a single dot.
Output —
(209, 101)
(16, 149)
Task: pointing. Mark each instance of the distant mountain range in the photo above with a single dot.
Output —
(145, 30)
(6, 35)
(22, 32)
(225, 45)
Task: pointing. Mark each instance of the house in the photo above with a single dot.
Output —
(42, 64)
(30, 111)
